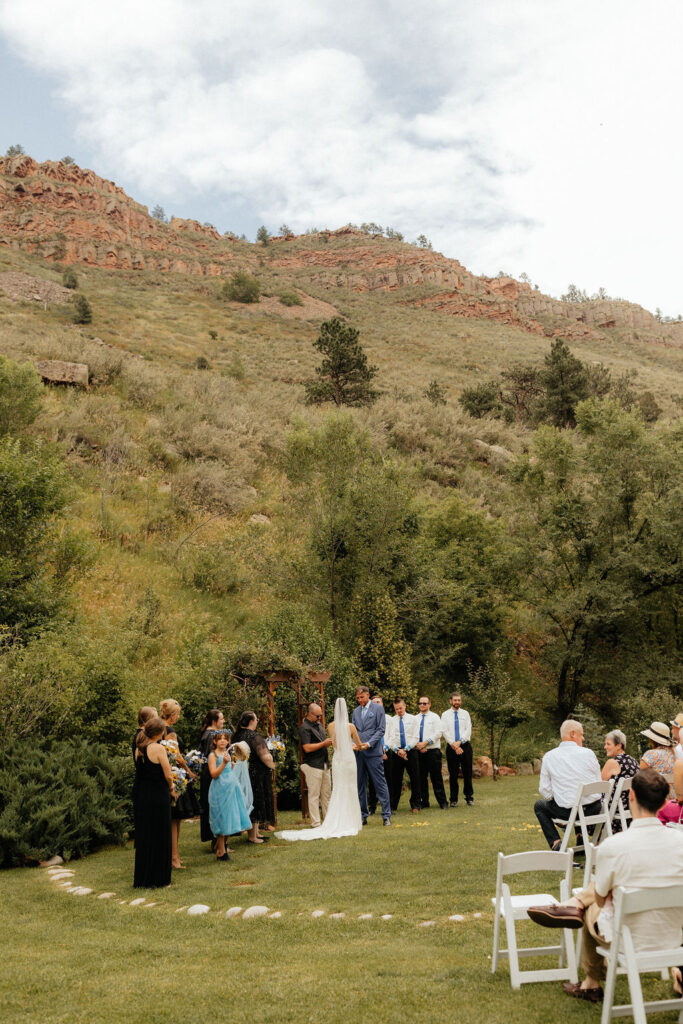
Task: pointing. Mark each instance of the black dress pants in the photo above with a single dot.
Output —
(456, 763)
(430, 768)
(546, 810)
(397, 766)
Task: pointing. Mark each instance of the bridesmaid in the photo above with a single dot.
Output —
(260, 765)
(186, 806)
(154, 791)
(212, 723)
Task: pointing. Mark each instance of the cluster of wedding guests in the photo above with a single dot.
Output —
(646, 855)
(231, 793)
(408, 744)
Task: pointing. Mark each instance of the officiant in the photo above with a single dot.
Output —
(315, 766)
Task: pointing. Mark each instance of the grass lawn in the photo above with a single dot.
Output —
(79, 959)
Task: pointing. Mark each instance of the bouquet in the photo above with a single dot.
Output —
(172, 750)
(276, 747)
(195, 761)
(179, 779)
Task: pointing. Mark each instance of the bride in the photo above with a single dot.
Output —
(343, 816)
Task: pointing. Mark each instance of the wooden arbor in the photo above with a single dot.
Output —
(295, 681)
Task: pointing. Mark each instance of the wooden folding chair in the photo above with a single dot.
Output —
(582, 820)
(511, 908)
(622, 956)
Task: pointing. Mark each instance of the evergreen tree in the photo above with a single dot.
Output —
(82, 310)
(565, 380)
(344, 375)
(69, 279)
(381, 653)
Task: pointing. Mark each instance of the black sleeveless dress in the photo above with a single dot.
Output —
(206, 834)
(152, 825)
(187, 805)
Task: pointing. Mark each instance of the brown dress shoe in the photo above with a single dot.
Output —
(591, 995)
(557, 916)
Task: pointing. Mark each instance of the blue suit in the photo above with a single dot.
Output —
(370, 728)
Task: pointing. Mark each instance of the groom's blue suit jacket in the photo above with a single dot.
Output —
(371, 730)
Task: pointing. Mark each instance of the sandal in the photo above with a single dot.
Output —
(256, 842)
(591, 995)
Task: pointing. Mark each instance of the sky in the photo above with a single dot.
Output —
(535, 136)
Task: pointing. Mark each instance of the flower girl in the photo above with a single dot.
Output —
(227, 811)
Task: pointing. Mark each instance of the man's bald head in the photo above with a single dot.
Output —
(314, 712)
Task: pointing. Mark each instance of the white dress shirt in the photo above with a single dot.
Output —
(448, 725)
(432, 729)
(392, 736)
(564, 769)
(678, 752)
(648, 855)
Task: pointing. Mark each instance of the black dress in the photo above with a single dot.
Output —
(259, 774)
(206, 834)
(152, 825)
(187, 805)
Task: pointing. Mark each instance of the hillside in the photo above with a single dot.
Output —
(178, 488)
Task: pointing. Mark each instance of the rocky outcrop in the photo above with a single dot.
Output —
(54, 371)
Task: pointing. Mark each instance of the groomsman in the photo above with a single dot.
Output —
(400, 737)
(456, 727)
(429, 747)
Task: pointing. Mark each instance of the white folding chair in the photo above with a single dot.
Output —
(511, 908)
(578, 817)
(588, 877)
(616, 807)
(622, 956)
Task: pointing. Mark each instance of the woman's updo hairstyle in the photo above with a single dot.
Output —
(168, 708)
(246, 719)
(152, 728)
(209, 718)
(144, 715)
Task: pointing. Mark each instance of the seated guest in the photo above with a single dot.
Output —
(563, 770)
(400, 737)
(619, 765)
(646, 856)
(660, 756)
(676, 730)
(672, 811)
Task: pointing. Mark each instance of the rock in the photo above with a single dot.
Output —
(525, 768)
(233, 912)
(259, 519)
(255, 911)
(137, 902)
(536, 765)
(387, 917)
(457, 917)
(483, 766)
(318, 913)
(276, 913)
(106, 895)
(54, 371)
(197, 909)
(52, 862)
(506, 770)
(494, 454)
(337, 917)
(427, 924)
(365, 917)
(80, 890)
(477, 915)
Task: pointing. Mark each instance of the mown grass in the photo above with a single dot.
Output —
(68, 959)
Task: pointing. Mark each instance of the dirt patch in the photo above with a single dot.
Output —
(311, 309)
(24, 288)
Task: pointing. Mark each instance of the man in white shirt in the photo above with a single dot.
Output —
(563, 770)
(648, 855)
(429, 748)
(676, 724)
(401, 737)
(456, 727)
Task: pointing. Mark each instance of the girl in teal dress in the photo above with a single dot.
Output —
(227, 811)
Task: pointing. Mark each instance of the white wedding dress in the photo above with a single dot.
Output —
(343, 816)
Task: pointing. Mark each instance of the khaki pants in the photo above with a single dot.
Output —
(319, 789)
(591, 961)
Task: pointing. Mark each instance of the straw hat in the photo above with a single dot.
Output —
(660, 733)
(677, 721)
(241, 750)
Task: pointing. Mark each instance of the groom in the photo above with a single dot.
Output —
(369, 719)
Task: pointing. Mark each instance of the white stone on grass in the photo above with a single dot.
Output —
(52, 862)
(198, 908)
(456, 917)
(365, 917)
(233, 912)
(137, 902)
(387, 917)
(80, 890)
(277, 913)
(60, 873)
(106, 895)
(476, 915)
(148, 905)
(427, 924)
(180, 909)
(255, 911)
(318, 913)
(337, 917)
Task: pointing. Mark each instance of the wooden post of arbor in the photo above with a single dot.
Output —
(294, 680)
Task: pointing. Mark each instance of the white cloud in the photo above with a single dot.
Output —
(538, 136)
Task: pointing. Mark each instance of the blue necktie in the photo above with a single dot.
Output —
(401, 732)
(364, 712)
(457, 725)
(422, 727)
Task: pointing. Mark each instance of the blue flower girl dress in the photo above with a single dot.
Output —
(227, 811)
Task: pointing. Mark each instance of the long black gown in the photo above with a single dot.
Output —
(206, 834)
(187, 805)
(259, 774)
(152, 825)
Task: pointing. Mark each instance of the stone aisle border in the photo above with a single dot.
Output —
(64, 879)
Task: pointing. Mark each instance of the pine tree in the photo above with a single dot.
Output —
(344, 375)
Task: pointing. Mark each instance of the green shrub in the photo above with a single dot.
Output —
(66, 799)
(291, 298)
(202, 363)
(82, 310)
(20, 394)
(213, 571)
(69, 279)
(242, 287)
